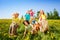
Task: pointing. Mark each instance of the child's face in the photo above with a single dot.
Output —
(16, 15)
(26, 23)
(41, 12)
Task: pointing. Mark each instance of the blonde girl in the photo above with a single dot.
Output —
(43, 21)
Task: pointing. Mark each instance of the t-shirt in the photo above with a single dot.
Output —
(28, 28)
(31, 13)
(27, 17)
(43, 17)
(15, 20)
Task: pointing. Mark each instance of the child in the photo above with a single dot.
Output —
(28, 28)
(31, 15)
(43, 21)
(27, 16)
(14, 25)
(32, 21)
(35, 27)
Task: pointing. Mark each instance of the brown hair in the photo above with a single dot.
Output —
(26, 21)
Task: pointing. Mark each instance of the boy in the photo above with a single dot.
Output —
(28, 28)
(27, 16)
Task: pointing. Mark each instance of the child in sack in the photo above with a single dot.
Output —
(43, 21)
(14, 25)
(27, 16)
(28, 27)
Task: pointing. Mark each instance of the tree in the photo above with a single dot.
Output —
(48, 15)
(56, 15)
(53, 15)
(22, 17)
(38, 14)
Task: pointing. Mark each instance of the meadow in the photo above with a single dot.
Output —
(52, 34)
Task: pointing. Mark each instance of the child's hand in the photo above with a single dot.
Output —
(40, 19)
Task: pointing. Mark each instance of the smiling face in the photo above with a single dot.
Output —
(15, 15)
(26, 23)
(41, 12)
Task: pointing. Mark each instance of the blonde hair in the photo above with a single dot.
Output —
(41, 13)
(15, 14)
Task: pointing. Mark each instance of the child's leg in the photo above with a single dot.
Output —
(41, 26)
(10, 29)
(15, 29)
(44, 23)
(41, 29)
(25, 33)
(31, 18)
(32, 32)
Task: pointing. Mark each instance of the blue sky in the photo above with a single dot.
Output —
(7, 7)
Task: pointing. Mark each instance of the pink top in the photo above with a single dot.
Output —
(31, 13)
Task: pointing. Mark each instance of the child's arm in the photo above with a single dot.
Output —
(31, 25)
(40, 17)
(25, 33)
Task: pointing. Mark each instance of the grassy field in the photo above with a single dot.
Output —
(52, 34)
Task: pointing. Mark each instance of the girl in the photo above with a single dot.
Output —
(14, 25)
(31, 15)
(28, 28)
(43, 21)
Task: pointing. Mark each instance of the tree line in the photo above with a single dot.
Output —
(50, 15)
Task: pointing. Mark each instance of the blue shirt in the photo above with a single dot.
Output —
(27, 17)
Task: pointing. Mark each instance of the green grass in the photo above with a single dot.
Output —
(52, 34)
